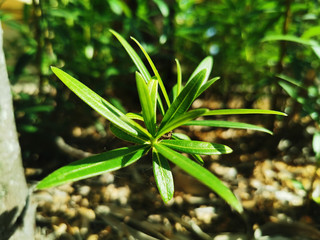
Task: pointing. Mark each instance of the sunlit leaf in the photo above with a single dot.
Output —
(242, 111)
(99, 104)
(184, 100)
(205, 86)
(155, 71)
(133, 55)
(94, 165)
(124, 135)
(148, 111)
(179, 78)
(181, 120)
(204, 64)
(163, 176)
(181, 136)
(200, 173)
(196, 147)
(228, 124)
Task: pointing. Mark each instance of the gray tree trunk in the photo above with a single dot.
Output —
(14, 194)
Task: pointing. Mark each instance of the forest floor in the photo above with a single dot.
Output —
(271, 175)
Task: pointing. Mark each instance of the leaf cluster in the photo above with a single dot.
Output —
(148, 133)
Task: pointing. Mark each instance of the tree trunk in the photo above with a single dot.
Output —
(14, 194)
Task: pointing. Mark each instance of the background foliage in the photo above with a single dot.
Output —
(75, 35)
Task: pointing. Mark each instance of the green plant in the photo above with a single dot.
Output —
(307, 96)
(156, 137)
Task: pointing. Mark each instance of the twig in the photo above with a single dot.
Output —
(72, 151)
(128, 225)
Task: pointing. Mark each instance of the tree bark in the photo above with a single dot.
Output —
(14, 194)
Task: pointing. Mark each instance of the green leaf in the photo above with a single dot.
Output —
(99, 104)
(155, 71)
(200, 173)
(181, 120)
(133, 55)
(181, 136)
(291, 80)
(242, 111)
(227, 124)
(148, 111)
(311, 32)
(163, 7)
(179, 78)
(153, 91)
(196, 147)
(94, 165)
(184, 100)
(204, 64)
(205, 86)
(316, 144)
(135, 116)
(290, 38)
(121, 134)
(163, 176)
(290, 89)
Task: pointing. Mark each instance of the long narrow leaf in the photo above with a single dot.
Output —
(204, 64)
(227, 124)
(179, 77)
(242, 111)
(94, 165)
(135, 116)
(181, 120)
(148, 112)
(133, 55)
(205, 86)
(200, 173)
(155, 71)
(163, 176)
(121, 134)
(153, 91)
(99, 104)
(139, 64)
(181, 136)
(196, 147)
(184, 100)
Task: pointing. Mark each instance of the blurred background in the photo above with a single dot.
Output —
(266, 53)
(75, 35)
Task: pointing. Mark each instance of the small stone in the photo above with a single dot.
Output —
(61, 229)
(154, 218)
(205, 214)
(84, 202)
(87, 213)
(226, 172)
(76, 198)
(84, 190)
(93, 237)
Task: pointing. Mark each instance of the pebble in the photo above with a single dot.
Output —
(205, 214)
(93, 237)
(228, 173)
(154, 218)
(230, 236)
(119, 194)
(84, 190)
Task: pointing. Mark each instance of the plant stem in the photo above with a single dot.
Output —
(276, 103)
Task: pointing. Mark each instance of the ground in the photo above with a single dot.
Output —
(271, 175)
